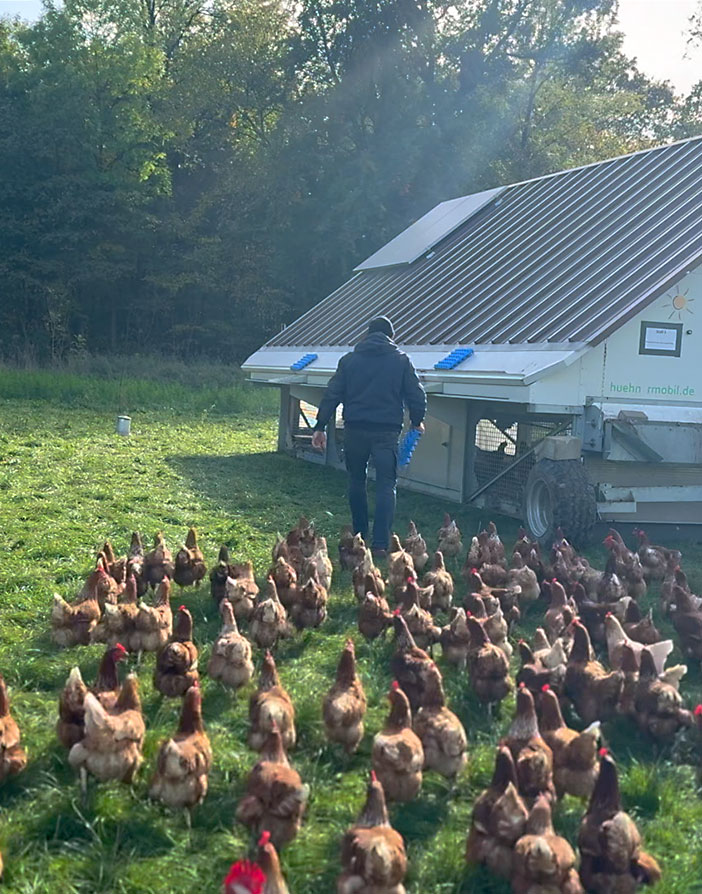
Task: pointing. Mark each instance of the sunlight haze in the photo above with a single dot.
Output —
(655, 33)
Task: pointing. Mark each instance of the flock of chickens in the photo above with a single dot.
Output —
(538, 761)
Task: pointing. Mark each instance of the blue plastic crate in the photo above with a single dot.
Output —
(407, 445)
(458, 355)
(304, 361)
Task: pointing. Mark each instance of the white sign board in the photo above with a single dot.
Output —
(660, 339)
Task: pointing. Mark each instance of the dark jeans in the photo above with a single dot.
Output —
(359, 446)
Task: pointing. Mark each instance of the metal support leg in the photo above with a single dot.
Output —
(473, 416)
(284, 419)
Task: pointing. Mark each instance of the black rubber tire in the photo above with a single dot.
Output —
(559, 494)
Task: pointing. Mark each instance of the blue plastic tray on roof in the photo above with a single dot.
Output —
(458, 355)
(303, 361)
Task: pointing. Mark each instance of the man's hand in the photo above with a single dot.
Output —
(420, 428)
(319, 440)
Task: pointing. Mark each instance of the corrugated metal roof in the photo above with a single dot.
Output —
(564, 258)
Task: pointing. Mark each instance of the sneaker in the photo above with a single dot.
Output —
(379, 553)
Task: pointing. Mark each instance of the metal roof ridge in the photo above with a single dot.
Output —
(604, 161)
(486, 347)
(590, 164)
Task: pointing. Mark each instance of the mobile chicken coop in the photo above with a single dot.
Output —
(579, 294)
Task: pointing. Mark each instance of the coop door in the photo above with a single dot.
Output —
(432, 456)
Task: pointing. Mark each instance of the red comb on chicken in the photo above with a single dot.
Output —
(244, 877)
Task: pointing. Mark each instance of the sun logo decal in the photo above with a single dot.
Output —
(678, 304)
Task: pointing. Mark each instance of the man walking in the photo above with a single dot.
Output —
(374, 383)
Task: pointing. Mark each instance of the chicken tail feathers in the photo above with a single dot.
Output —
(96, 717)
(659, 653)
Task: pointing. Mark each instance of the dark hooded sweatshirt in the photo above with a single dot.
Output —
(374, 383)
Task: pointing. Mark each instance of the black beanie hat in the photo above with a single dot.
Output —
(382, 324)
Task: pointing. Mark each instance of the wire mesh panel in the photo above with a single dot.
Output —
(499, 442)
(304, 419)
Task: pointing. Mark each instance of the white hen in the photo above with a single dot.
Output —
(617, 639)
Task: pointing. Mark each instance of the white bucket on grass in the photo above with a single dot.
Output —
(124, 425)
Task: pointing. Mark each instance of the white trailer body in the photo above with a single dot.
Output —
(594, 342)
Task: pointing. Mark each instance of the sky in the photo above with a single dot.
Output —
(654, 33)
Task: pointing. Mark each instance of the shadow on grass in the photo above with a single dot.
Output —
(273, 489)
(482, 880)
(418, 820)
(71, 821)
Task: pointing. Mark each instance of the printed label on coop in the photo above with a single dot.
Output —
(652, 390)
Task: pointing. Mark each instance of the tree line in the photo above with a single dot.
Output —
(187, 176)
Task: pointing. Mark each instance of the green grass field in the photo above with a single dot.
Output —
(66, 483)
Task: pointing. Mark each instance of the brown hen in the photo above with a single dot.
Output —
(400, 564)
(70, 727)
(219, 575)
(275, 798)
(373, 855)
(154, 623)
(230, 662)
(184, 760)
(397, 756)
(111, 747)
(532, 756)
(416, 546)
(72, 625)
(270, 706)
(455, 639)
(658, 706)
(374, 615)
(410, 665)
(269, 620)
(449, 537)
(241, 590)
(543, 861)
(344, 706)
(309, 608)
(594, 692)
(158, 563)
(285, 579)
(498, 818)
(442, 582)
(441, 733)
(176, 663)
(488, 666)
(609, 842)
(575, 757)
(189, 567)
(13, 758)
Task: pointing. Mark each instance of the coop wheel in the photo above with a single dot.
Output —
(558, 493)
